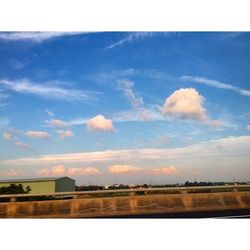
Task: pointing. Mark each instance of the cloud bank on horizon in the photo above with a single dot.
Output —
(125, 107)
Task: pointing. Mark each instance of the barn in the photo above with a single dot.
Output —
(43, 185)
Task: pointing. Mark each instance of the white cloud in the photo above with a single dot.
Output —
(56, 123)
(140, 111)
(23, 145)
(77, 121)
(17, 64)
(140, 114)
(248, 127)
(36, 37)
(225, 148)
(37, 134)
(83, 171)
(7, 135)
(222, 158)
(111, 76)
(123, 169)
(134, 36)
(127, 87)
(10, 173)
(65, 133)
(130, 169)
(50, 113)
(164, 170)
(100, 123)
(25, 86)
(216, 84)
(60, 170)
(187, 104)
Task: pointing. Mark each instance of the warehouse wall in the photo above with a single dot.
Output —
(65, 185)
(36, 187)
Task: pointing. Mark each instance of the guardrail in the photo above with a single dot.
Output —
(155, 201)
(75, 194)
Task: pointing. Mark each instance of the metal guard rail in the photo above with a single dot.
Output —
(79, 193)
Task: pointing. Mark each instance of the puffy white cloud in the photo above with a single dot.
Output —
(23, 145)
(164, 170)
(100, 123)
(37, 134)
(10, 173)
(44, 172)
(83, 171)
(60, 170)
(56, 123)
(248, 127)
(123, 169)
(7, 135)
(187, 103)
(65, 133)
(126, 169)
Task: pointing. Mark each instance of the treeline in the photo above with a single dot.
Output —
(186, 184)
(15, 189)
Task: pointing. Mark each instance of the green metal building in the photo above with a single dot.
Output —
(44, 185)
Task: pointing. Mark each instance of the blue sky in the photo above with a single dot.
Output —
(125, 107)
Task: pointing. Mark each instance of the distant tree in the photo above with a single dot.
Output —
(15, 189)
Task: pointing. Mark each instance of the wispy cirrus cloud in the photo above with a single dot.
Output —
(135, 36)
(215, 83)
(140, 111)
(113, 75)
(49, 113)
(48, 91)
(35, 37)
(17, 64)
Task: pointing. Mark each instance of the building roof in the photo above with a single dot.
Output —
(34, 179)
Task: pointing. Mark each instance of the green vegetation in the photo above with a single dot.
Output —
(15, 189)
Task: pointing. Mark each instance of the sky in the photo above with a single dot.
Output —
(125, 107)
